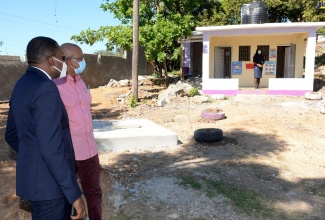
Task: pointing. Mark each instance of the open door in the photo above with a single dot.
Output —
(197, 58)
(289, 61)
(222, 62)
(219, 61)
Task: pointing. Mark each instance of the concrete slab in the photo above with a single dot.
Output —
(114, 135)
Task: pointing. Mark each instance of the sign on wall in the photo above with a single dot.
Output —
(250, 66)
(236, 67)
(270, 67)
(272, 53)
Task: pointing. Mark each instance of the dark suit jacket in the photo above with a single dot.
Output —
(38, 129)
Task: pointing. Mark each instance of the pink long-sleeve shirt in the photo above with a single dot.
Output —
(77, 100)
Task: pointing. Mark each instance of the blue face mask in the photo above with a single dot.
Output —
(81, 68)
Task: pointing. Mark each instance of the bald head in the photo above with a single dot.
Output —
(71, 50)
(73, 55)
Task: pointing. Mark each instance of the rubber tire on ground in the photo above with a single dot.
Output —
(212, 115)
(313, 95)
(208, 135)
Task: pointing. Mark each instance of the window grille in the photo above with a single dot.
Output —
(244, 53)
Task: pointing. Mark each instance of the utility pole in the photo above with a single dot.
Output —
(135, 52)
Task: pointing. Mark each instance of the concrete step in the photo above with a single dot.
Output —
(120, 135)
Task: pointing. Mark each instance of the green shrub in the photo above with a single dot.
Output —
(193, 92)
(133, 102)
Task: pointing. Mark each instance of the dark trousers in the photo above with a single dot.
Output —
(88, 172)
(56, 209)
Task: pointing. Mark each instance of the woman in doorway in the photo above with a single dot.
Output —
(258, 60)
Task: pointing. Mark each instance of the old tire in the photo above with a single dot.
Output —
(313, 95)
(208, 135)
(215, 114)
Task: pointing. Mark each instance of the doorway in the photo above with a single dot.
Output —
(222, 62)
(197, 61)
(285, 61)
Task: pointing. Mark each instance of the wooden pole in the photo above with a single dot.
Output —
(135, 52)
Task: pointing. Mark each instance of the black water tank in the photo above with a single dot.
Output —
(258, 12)
(245, 14)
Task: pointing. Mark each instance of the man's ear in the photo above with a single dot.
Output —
(51, 61)
(68, 61)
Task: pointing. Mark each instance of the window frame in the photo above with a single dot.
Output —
(244, 55)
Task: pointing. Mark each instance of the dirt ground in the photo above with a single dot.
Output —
(269, 165)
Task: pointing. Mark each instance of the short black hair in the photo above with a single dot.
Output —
(39, 48)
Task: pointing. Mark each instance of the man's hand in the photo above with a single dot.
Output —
(80, 207)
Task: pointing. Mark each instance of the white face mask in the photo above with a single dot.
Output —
(63, 72)
(259, 52)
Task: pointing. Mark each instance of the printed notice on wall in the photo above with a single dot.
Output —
(270, 67)
(236, 68)
(272, 53)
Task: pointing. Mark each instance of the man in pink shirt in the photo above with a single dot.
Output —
(77, 100)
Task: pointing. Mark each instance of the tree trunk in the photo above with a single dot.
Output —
(181, 63)
(135, 52)
(166, 74)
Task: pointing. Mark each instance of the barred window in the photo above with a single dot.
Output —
(244, 53)
(265, 51)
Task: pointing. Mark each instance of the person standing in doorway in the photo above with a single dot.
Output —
(77, 100)
(38, 130)
(258, 60)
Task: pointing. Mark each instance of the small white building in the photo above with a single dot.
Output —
(226, 58)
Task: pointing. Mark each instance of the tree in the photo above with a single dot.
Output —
(162, 23)
(228, 12)
(294, 11)
(1, 43)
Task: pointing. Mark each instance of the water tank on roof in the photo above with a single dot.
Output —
(254, 13)
(259, 12)
(245, 14)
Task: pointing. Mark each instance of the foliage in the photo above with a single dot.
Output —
(176, 72)
(162, 23)
(294, 11)
(1, 43)
(193, 92)
(228, 12)
(118, 52)
(133, 102)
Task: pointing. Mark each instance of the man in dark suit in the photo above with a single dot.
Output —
(38, 130)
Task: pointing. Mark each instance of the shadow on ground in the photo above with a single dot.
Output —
(229, 168)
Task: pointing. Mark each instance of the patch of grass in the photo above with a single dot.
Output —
(246, 200)
(217, 171)
(243, 199)
(188, 180)
(156, 81)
